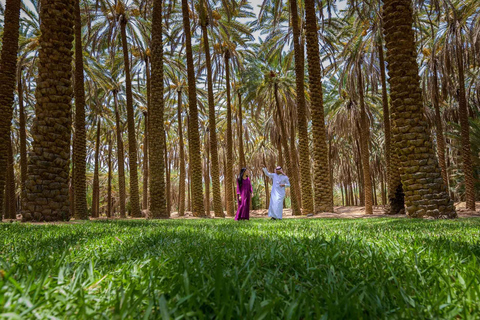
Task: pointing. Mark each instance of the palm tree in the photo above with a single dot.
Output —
(157, 155)
(322, 184)
(48, 171)
(80, 149)
(195, 163)
(306, 192)
(215, 172)
(8, 73)
(425, 192)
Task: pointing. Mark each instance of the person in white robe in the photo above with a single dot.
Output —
(279, 183)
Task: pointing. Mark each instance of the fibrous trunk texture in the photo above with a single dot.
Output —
(181, 183)
(120, 157)
(323, 189)
(80, 147)
(158, 206)
(306, 188)
(425, 192)
(22, 135)
(47, 186)
(195, 162)
(96, 178)
(229, 173)
(8, 72)
(212, 126)
(132, 141)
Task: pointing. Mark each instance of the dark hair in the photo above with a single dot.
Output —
(240, 177)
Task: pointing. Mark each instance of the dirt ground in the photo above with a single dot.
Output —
(339, 212)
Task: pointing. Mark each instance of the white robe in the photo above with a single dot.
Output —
(275, 210)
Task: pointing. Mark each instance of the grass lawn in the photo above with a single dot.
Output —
(260, 269)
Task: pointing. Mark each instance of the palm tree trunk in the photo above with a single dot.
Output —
(229, 172)
(167, 172)
(132, 142)
(207, 177)
(181, 187)
(80, 147)
(306, 190)
(10, 183)
(293, 184)
(364, 142)
(8, 70)
(22, 135)
(425, 192)
(394, 182)
(241, 151)
(193, 135)
(121, 158)
(323, 187)
(464, 128)
(158, 201)
(145, 163)
(109, 187)
(96, 178)
(212, 125)
(47, 185)
(438, 122)
(294, 157)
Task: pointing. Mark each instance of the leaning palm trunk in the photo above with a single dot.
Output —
(96, 178)
(181, 183)
(425, 192)
(120, 158)
(322, 185)
(396, 201)
(80, 147)
(132, 142)
(229, 172)
(158, 204)
(8, 70)
(195, 162)
(464, 128)
(47, 186)
(293, 183)
(365, 141)
(212, 126)
(22, 135)
(306, 191)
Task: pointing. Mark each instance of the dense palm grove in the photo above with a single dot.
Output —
(131, 108)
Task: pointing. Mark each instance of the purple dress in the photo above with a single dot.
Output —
(245, 192)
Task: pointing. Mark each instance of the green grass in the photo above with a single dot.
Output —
(260, 269)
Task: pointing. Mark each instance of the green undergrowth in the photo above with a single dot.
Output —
(259, 269)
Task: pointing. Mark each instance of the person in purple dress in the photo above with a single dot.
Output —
(244, 193)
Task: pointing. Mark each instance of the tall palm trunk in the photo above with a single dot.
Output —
(215, 171)
(241, 150)
(132, 142)
(121, 157)
(425, 192)
(321, 171)
(146, 166)
(167, 176)
(80, 147)
(394, 185)
(438, 121)
(11, 213)
(158, 205)
(229, 172)
(294, 159)
(293, 183)
(96, 178)
(22, 135)
(207, 176)
(193, 135)
(181, 187)
(464, 128)
(109, 186)
(8, 70)
(47, 185)
(306, 191)
(364, 142)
